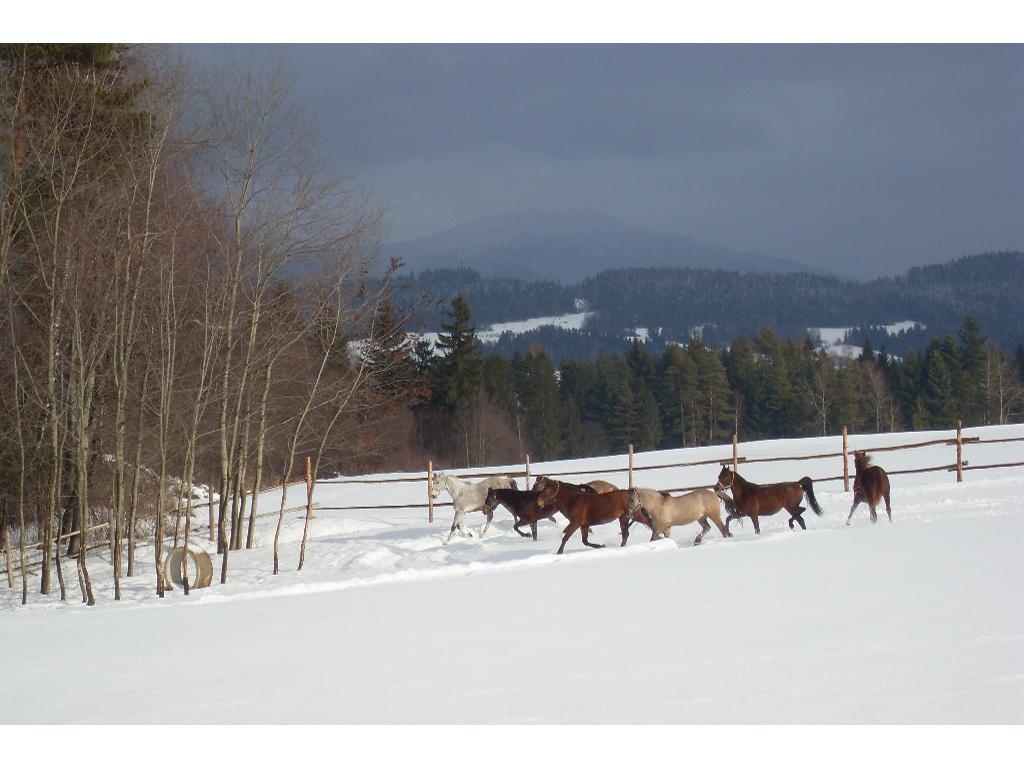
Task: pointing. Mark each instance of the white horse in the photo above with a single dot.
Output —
(468, 497)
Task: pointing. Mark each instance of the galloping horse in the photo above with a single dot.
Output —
(523, 506)
(584, 509)
(870, 485)
(752, 500)
(663, 510)
(468, 497)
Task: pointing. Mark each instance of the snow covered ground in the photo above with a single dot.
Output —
(490, 335)
(921, 620)
(832, 338)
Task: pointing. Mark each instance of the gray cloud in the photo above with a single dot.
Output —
(860, 159)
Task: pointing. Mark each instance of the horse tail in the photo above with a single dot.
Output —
(729, 504)
(805, 483)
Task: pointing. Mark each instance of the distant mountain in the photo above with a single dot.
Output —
(568, 246)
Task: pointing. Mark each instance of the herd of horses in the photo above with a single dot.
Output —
(598, 502)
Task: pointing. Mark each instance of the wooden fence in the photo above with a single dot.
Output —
(957, 464)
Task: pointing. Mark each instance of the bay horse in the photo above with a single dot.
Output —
(585, 509)
(659, 511)
(753, 501)
(467, 497)
(870, 484)
(523, 506)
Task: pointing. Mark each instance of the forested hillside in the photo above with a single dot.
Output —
(671, 303)
(493, 407)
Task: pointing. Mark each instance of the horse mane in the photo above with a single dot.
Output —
(861, 461)
(665, 494)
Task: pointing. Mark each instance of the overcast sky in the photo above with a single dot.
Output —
(863, 160)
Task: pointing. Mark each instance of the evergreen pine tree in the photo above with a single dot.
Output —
(458, 368)
(937, 396)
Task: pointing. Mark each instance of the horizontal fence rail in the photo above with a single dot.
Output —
(959, 466)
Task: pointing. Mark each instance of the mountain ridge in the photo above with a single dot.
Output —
(569, 245)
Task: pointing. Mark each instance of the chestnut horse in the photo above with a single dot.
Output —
(871, 484)
(584, 509)
(523, 506)
(752, 500)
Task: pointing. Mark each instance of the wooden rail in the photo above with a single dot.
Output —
(959, 466)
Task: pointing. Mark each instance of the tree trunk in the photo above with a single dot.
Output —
(133, 509)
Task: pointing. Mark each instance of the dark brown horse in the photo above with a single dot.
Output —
(523, 506)
(585, 509)
(871, 484)
(754, 501)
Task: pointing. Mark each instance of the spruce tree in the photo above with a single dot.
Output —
(458, 367)
(937, 397)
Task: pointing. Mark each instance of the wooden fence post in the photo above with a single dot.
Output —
(631, 465)
(309, 510)
(959, 452)
(846, 461)
(7, 542)
(528, 472)
(212, 523)
(430, 491)
(734, 461)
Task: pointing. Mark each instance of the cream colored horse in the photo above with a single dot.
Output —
(660, 511)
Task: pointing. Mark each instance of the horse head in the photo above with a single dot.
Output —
(437, 484)
(725, 479)
(634, 505)
(548, 491)
(491, 501)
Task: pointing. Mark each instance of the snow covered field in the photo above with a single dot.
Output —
(490, 335)
(914, 622)
(832, 338)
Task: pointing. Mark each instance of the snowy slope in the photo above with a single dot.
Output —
(918, 621)
(490, 335)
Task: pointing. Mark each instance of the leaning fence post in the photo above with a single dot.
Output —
(846, 461)
(630, 465)
(210, 494)
(309, 510)
(7, 542)
(527, 471)
(734, 459)
(959, 452)
(430, 491)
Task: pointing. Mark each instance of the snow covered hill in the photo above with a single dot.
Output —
(921, 620)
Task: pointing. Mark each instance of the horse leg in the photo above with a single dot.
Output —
(874, 515)
(519, 522)
(456, 523)
(856, 501)
(533, 528)
(704, 528)
(888, 509)
(728, 519)
(490, 516)
(655, 530)
(716, 518)
(624, 523)
(799, 518)
(757, 527)
(570, 529)
(585, 530)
